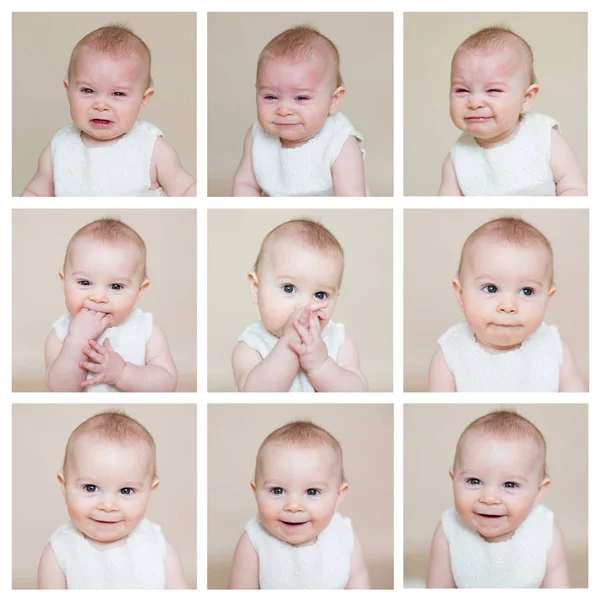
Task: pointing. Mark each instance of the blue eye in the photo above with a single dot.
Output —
(474, 481)
(288, 288)
(321, 296)
(277, 491)
(313, 492)
(527, 291)
(119, 94)
(490, 289)
(127, 491)
(90, 488)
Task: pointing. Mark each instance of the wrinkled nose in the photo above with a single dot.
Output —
(474, 101)
(100, 103)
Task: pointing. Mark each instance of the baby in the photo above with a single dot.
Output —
(505, 281)
(499, 476)
(504, 150)
(300, 145)
(298, 540)
(105, 344)
(107, 151)
(108, 476)
(296, 282)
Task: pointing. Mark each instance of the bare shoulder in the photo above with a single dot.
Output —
(243, 360)
(244, 570)
(359, 574)
(158, 351)
(171, 175)
(50, 575)
(42, 183)
(52, 348)
(441, 378)
(174, 569)
(348, 170)
(439, 570)
(244, 180)
(349, 358)
(566, 171)
(570, 379)
(557, 574)
(449, 185)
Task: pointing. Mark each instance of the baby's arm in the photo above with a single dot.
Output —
(359, 576)
(439, 570)
(557, 575)
(440, 377)
(171, 175)
(50, 575)
(174, 570)
(244, 181)
(244, 571)
(42, 183)
(275, 373)
(569, 379)
(159, 374)
(449, 185)
(64, 372)
(348, 170)
(565, 168)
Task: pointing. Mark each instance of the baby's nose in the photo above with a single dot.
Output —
(107, 503)
(100, 103)
(474, 101)
(489, 496)
(507, 305)
(293, 504)
(98, 297)
(283, 109)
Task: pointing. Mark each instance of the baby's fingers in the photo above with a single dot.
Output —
(91, 353)
(95, 380)
(302, 331)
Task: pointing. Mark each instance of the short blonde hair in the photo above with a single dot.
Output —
(497, 38)
(298, 43)
(113, 426)
(114, 40)
(512, 231)
(114, 233)
(301, 434)
(506, 425)
(304, 232)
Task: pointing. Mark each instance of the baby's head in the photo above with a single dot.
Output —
(108, 82)
(499, 474)
(105, 269)
(505, 281)
(298, 482)
(108, 474)
(300, 263)
(298, 85)
(492, 84)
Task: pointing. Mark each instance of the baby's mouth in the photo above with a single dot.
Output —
(290, 524)
(100, 122)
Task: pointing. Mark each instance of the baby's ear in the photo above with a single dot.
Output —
(551, 293)
(155, 484)
(253, 486)
(61, 276)
(341, 494)
(61, 480)
(147, 95)
(66, 85)
(451, 473)
(542, 489)
(143, 287)
(530, 94)
(458, 289)
(336, 98)
(253, 283)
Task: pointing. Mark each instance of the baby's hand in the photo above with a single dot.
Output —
(289, 331)
(107, 364)
(88, 324)
(311, 349)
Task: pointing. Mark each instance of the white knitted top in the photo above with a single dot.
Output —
(519, 562)
(301, 171)
(118, 169)
(521, 167)
(128, 340)
(533, 367)
(324, 565)
(259, 338)
(138, 564)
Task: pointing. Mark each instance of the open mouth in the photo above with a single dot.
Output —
(101, 123)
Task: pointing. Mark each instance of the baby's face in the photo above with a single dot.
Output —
(107, 487)
(504, 291)
(106, 95)
(497, 483)
(298, 491)
(293, 100)
(292, 276)
(103, 278)
(487, 94)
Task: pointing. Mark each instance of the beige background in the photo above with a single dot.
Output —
(433, 240)
(40, 238)
(365, 44)
(430, 435)
(364, 305)
(40, 433)
(559, 44)
(366, 435)
(42, 45)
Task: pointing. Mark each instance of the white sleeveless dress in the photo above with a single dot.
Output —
(533, 367)
(259, 338)
(521, 167)
(324, 565)
(129, 340)
(118, 169)
(138, 564)
(519, 562)
(301, 171)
